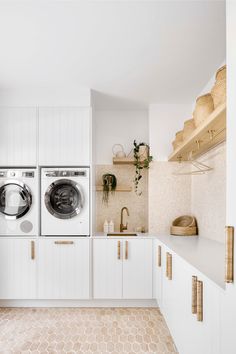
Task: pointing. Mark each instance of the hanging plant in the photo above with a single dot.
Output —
(109, 183)
(142, 161)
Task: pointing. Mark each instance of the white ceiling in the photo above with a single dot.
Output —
(129, 52)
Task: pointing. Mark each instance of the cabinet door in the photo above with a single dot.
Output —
(18, 134)
(63, 270)
(107, 269)
(137, 269)
(17, 268)
(158, 266)
(64, 136)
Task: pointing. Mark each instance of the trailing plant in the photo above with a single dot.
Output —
(109, 183)
(140, 164)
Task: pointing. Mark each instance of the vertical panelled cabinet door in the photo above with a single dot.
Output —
(18, 259)
(64, 136)
(63, 271)
(18, 136)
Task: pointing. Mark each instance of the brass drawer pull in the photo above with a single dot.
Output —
(32, 250)
(169, 266)
(194, 294)
(64, 242)
(229, 255)
(118, 250)
(159, 256)
(126, 249)
(199, 300)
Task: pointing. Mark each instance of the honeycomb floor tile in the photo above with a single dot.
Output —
(84, 331)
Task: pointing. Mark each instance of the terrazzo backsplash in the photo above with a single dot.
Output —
(137, 205)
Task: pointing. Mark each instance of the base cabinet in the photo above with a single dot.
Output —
(17, 268)
(122, 269)
(63, 268)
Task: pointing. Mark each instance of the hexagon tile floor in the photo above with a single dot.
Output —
(84, 331)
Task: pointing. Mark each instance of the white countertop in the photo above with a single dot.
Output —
(205, 255)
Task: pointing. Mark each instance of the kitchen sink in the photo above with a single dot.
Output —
(120, 234)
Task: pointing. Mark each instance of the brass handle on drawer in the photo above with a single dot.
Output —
(199, 300)
(118, 250)
(126, 249)
(229, 255)
(63, 242)
(194, 294)
(32, 250)
(159, 256)
(169, 266)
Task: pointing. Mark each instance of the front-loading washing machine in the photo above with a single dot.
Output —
(65, 201)
(18, 202)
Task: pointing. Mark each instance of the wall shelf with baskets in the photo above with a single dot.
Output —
(209, 134)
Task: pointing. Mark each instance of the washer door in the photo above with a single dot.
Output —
(64, 199)
(15, 200)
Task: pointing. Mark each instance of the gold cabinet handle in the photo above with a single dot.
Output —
(169, 266)
(126, 249)
(199, 300)
(118, 250)
(32, 250)
(194, 294)
(229, 255)
(64, 242)
(159, 256)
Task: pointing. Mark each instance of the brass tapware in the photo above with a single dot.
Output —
(122, 226)
(199, 300)
(159, 256)
(32, 250)
(63, 242)
(194, 294)
(118, 249)
(126, 249)
(229, 255)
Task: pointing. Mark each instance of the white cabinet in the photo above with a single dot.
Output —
(157, 271)
(18, 268)
(107, 269)
(122, 269)
(63, 268)
(18, 137)
(64, 136)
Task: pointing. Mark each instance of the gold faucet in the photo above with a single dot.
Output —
(122, 226)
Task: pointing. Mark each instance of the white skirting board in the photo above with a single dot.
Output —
(78, 303)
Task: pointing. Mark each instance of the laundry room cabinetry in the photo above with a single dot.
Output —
(122, 269)
(190, 333)
(157, 271)
(18, 136)
(18, 257)
(63, 268)
(64, 136)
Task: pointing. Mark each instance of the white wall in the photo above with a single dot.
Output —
(164, 121)
(118, 126)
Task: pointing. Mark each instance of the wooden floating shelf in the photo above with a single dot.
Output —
(123, 161)
(209, 134)
(118, 189)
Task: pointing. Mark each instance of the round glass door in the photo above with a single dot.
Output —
(15, 200)
(64, 199)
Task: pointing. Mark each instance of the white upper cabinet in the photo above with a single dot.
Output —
(64, 136)
(18, 136)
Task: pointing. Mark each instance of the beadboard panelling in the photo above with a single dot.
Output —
(169, 196)
(209, 196)
(137, 205)
(64, 136)
(18, 136)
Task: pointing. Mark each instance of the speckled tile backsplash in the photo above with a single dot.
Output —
(137, 205)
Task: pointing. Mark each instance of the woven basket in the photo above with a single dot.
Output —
(204, 107)
(221, 73)
(218, 92)
(184, 226)
(189, 126)
(178, 139)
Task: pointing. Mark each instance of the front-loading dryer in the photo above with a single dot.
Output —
(18, 202)
(65, 201)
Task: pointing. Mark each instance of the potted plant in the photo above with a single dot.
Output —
(109, 183)
(142, 161)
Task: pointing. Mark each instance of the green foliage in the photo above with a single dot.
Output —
(109, 182)
(140, 165)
